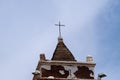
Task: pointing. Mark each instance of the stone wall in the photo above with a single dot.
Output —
(68, 72)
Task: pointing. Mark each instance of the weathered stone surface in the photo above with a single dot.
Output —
(55, 72)
(62, 53)
(84, 73)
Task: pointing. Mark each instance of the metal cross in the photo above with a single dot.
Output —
(59, 24)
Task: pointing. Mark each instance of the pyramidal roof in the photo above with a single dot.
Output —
(62, 53)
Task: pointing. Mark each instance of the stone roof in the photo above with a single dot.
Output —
(62, 53)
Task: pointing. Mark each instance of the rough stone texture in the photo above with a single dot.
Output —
(55, 72)
(62, 53)
(84, 73)
(65, 69)
(58, 71)
(75, 63)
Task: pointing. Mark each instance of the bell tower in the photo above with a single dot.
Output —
(63, 65)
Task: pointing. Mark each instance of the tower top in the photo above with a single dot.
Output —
(62, 53)
(59, 25)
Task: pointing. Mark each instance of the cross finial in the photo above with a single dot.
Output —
(59, 24)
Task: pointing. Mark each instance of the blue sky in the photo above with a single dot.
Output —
(27, 29)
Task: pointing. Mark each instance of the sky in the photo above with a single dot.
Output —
(27, 29)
